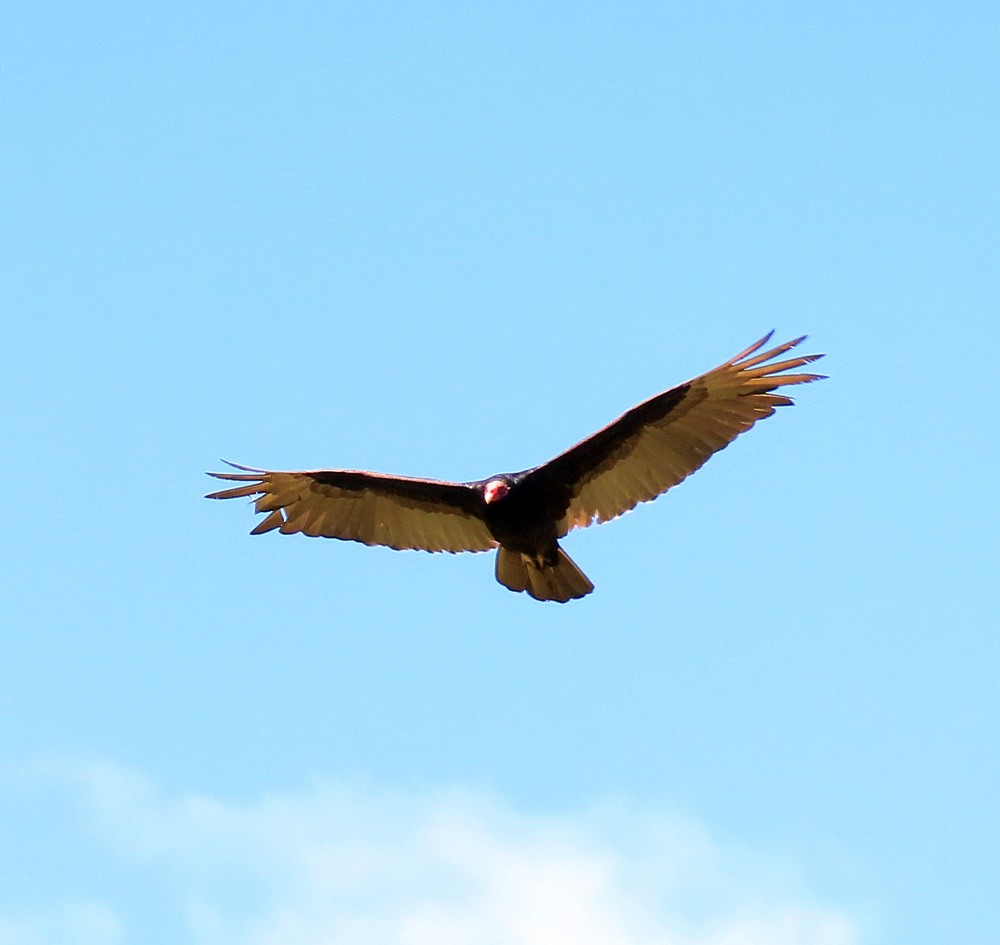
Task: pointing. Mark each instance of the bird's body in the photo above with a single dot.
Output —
(525, 517)
(646, 451)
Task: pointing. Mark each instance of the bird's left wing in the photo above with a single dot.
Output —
(373, 508)
(663, 440)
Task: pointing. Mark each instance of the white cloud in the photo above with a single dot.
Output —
(357, 865)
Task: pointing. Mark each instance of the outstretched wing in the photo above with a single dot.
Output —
(663, 440)
(373, 508)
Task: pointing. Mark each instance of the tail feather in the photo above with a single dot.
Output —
(560, 580)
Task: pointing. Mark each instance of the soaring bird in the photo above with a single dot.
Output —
(639, 456)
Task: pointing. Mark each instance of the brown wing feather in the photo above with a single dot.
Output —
(373, 508)
(663, 440)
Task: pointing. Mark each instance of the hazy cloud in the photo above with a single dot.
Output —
(336, 864)
(67, 922)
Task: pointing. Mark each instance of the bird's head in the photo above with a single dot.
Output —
(495, 490)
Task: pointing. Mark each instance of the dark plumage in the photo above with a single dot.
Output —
(640, 455)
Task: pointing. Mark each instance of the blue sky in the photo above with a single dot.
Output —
(449, 240)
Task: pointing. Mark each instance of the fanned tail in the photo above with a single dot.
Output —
(543, 577)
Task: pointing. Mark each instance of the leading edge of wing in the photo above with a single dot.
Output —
(462, 494)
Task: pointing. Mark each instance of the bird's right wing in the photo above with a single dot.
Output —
(373, 508)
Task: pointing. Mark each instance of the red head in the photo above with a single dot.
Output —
(495, 489)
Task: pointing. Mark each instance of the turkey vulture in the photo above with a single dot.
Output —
(640, 455)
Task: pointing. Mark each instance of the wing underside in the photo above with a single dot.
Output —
(660, 442)
(373, 508)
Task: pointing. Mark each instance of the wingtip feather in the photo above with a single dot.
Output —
(249, 469)
(274, 520)
(756, 346)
